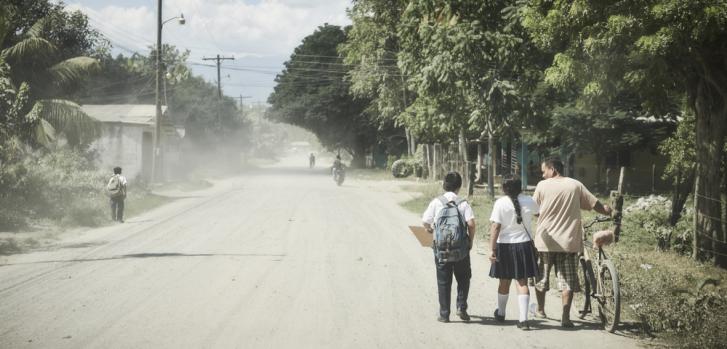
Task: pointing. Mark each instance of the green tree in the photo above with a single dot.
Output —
(42, 69)
(370, 50)
(660, 50)
(472, 68)
(312, 93)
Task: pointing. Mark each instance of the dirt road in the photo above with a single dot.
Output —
(278, 258)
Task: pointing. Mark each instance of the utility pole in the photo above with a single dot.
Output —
(242, 106)
(157, 165)
(156, 161)
(219, 80)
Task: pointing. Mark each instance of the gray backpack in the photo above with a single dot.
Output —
(114, 189)
(451, 240)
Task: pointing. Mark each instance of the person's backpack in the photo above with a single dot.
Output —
(114, 189)
(451, 241)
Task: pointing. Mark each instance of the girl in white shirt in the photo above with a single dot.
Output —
(513, 254)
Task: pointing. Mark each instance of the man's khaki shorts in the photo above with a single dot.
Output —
(566, 270)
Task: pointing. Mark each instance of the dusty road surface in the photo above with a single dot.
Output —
(277, 258)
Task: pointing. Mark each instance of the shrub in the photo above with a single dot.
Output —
(62, 185)
(675, 300)
(401, 168)
(651, 215)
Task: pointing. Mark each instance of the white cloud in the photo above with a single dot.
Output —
(256, 32)
(268, 27)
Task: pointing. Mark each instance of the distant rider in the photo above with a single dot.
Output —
(337, 165)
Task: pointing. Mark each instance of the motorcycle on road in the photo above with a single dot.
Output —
(339, 175)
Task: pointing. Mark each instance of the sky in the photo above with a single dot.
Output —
(259, 34)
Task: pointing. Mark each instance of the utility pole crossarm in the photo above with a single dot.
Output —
(219, 80)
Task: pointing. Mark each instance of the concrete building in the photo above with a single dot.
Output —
(127, 138)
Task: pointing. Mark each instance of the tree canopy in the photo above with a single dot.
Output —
(656, 51)
(312, 93)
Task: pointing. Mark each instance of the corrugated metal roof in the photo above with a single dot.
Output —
(123, 113)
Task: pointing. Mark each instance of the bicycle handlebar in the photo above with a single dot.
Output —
(598, 219)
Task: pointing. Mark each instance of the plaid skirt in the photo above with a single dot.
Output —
(515, 261)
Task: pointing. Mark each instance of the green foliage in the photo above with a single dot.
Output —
(471, 66)
(62, 185)
(44, 69)
(680, 149)
(371, 48)
(312, 93)
(649, 217)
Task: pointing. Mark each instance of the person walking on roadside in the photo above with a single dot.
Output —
(311, 160)
(513, 254)
(452, 221)
(116, 190)
(559, 236)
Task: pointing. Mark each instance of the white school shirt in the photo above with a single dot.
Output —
(503, 213)
(122, 179)
(435, 206)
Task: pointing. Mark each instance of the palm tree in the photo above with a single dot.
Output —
(35, 64)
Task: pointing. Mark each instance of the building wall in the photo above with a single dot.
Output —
(643, 173)
(122, 145)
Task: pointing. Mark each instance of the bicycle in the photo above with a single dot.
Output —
(600, 283)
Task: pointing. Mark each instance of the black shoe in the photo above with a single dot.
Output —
(523, 325)
(463, 315)
(443, 319)
(499, 318)
(566, 323)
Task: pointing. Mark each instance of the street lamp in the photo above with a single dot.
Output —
(157, 164)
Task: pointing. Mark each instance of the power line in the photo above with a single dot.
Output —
(219, 80)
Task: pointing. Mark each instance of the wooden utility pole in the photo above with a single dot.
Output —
(219, 80)
(242, 106)
(617, 202)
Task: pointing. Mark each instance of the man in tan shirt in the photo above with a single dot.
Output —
(559, 236)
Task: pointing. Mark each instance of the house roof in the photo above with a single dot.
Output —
(140, 114)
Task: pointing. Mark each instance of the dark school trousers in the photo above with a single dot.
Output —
(117, 209)
(462, 272)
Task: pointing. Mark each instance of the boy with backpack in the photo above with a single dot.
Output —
(116, 190)
(452, 221)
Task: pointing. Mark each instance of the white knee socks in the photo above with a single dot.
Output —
(501, 303)
(523, 302)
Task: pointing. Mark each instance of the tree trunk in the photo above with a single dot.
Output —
(710, 110)
(462, 150)
(408, 141)
(427, 163)
(682, 187)
(480, 159)
(491, 166)
(359, 153)
(413, 143)
(436, 163)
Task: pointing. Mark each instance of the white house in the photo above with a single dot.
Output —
(127, 137)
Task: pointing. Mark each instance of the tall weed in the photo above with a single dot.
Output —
(61, 185)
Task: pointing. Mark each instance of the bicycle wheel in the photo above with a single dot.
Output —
(587, 286)
(609, 296)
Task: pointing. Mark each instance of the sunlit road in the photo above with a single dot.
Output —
(277, 258)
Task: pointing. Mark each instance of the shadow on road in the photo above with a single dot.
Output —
(154, 255)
